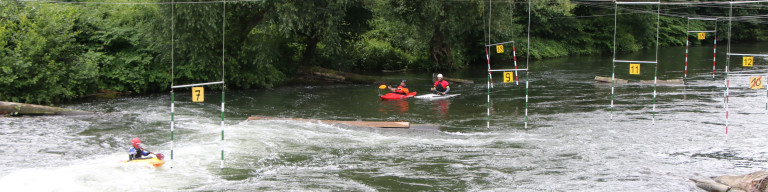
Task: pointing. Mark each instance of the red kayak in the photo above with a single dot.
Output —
(397, 96)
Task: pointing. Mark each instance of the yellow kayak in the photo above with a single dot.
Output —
(154, 161)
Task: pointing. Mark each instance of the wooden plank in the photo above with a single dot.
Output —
(600, 79)
(664, 82)
(377, 124)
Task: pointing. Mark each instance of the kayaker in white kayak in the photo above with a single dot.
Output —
(402, 89)
(441, 86)
(137, 150)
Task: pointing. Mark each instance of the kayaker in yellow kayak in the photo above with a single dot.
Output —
(137, 150)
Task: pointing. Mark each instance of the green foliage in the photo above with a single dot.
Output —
(42, 61)
(54, 52)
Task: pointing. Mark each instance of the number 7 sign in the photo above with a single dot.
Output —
(198, 94)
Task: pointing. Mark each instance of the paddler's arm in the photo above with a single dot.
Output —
(447, 88)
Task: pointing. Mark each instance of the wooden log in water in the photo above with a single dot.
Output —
(334, 75)
(756, 181)
(710, 185)
(664, 82)
(599, 79)
(12, 108)
(377, 124)
(395, 71)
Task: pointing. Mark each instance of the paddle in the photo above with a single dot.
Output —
(160, 156)
(381, 87)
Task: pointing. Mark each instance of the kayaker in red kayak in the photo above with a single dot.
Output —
(402, 89)
(137, 150)
(441, 86)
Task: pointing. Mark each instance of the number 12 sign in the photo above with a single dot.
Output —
(748, 61)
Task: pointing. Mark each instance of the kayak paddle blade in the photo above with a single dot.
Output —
(160, 156)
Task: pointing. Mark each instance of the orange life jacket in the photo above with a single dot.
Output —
(402, 90)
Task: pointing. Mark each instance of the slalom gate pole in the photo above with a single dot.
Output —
(686, 55)
(613, 63)
(490, 85)
(526, 98)
(514, 56)
(172, 124)
(656, 66)
(714, 56)
(222, 128)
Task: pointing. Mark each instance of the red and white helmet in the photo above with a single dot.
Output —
(136, 142)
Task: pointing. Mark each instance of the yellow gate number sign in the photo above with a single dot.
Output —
(634, 69)
(509, 77)
(198, 94)
(499, 48)
(756, 82)
(702, 36)
(748, 61)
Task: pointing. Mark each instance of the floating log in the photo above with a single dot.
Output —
(376, 124)
(334, 75)
(395, 71)
(599, 79)
(453, 80)
(665, 82)
(12, 108)
(757, 181)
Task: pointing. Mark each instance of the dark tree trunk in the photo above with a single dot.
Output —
(309, 52)
(441, 51)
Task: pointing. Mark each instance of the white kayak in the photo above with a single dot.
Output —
(435, 96)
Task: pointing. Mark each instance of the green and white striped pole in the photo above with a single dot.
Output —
(173, 9)
(223, 85)
(172, 123)
(222, 128)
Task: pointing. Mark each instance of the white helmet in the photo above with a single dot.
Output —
(440, 75)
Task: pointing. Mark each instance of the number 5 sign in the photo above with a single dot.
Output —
(634, 69)
(198, 94)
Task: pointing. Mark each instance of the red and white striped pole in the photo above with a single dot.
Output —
(714, 57)
(514, 56)
(490, 85)
(686, 56)
(488, 58)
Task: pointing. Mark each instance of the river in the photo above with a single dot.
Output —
(570, 144)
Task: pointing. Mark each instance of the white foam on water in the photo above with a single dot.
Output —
(109, 173)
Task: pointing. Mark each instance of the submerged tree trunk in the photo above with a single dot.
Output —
(11, 108)
(333, 75)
